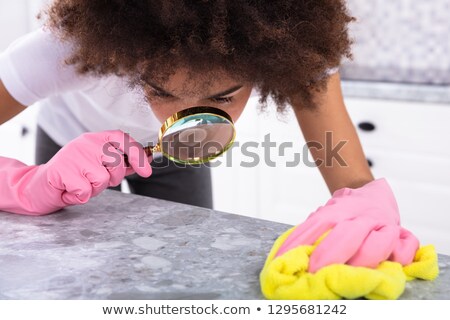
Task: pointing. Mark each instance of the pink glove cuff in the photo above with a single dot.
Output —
(364, 229)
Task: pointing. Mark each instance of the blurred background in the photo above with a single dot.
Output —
(397, 91)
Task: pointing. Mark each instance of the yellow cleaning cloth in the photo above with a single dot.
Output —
(286, 276)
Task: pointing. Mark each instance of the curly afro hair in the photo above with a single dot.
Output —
(282, 47)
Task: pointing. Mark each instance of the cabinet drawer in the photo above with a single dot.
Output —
(408, 166)
(411, 127)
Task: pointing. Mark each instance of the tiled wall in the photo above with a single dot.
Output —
(401, 41)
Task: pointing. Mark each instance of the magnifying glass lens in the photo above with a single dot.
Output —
(197, 138)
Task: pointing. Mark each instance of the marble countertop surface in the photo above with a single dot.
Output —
(122, 246)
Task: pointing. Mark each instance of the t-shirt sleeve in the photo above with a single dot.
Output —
(331, 71)
(33, 68)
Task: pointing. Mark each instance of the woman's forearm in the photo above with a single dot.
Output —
(333, 141)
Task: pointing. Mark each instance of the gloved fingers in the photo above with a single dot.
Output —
(405, 248)
(377, 247)
(137, 158)
(108, 173)
(77, 191)
(117, 173)
(100, 180)
(306, 233)
(131, 171)
(341, 243)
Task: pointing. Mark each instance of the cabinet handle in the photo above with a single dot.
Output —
(370, 162)
(366, 126)
(24, 131)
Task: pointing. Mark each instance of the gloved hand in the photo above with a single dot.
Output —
(80, 170)
(364, 226)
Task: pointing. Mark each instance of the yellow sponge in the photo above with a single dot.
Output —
(286, 276)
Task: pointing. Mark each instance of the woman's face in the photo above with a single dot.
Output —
(184, 90)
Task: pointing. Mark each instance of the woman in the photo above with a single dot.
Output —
(180, 54)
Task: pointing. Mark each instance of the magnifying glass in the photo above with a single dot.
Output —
(195, 135)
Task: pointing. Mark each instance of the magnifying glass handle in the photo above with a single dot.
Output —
(148, 151)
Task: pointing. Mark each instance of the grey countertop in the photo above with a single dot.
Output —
(396, 91)
(122, 246)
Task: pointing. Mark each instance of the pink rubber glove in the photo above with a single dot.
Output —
(365, 229)
(80, 170)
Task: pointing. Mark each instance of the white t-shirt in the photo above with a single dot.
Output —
(33, 71)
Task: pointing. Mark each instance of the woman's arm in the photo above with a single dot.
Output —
(79, 171)
(9, 107)
(361, 219)
(331, 116)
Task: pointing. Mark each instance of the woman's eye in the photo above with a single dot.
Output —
(157, 94)
(223, 100)
(161, 94)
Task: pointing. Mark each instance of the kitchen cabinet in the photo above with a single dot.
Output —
(17, 136)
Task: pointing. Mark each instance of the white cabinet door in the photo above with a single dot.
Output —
(403, 126)
(424, 210)
(17, 136)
